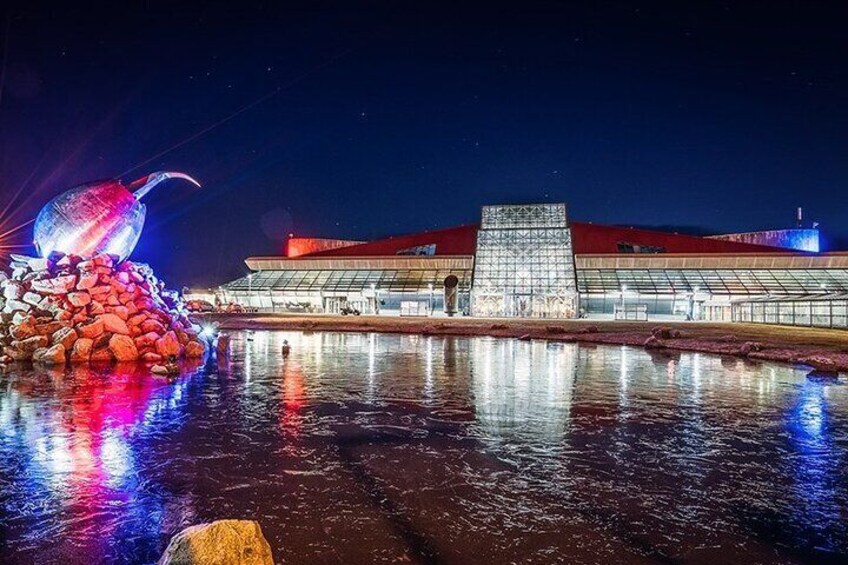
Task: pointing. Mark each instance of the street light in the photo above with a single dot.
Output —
(430, 311)
(374, 298)
(249, 289)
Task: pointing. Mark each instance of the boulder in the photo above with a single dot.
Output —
(92, 329)
(66, 336)
(79, 299)
(223, 542)
(32, 298)
(121, 312)
(96, 308)
(13, 305)
(195, 349)
(13, 290)
(102, 355)
(17, 354)
(53, 355)
(87, 281)
(152, 326)
(151, 357)
(23, 329)
(168, 345)
(49, 328)
(81, 353)
(653, 343)
(123, 348)
(146, 340)
(112, 323)
(57, 285)
(38, 263)
(30, 344)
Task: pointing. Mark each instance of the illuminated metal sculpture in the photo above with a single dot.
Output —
(97, 217)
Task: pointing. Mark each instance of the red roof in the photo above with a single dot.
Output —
(586, 238)
(461, 240)
(592, 238)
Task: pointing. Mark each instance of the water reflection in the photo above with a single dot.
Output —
(378, 448)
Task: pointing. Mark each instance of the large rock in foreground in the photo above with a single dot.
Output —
(223, 542)
(121, 310)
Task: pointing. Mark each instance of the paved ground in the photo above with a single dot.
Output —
(821, 348)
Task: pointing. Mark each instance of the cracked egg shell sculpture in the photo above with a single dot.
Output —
(97, 217)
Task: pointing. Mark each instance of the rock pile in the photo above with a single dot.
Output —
(62, 308)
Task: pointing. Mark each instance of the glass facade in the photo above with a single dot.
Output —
(524, 265)
(732, 282)
(824, 311)
(328, 290)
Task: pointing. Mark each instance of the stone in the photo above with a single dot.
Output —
(113, 324)
(151, 357)
(57, 285)
(653, 343)
(152, 326)
(121, 312)
(13, 305)
(168, 345)
(103, 260)
(38, 263)
(23, 330)
(53, 355)
(79, 299)
(158, 369)
(66, 336)
(92, 329)
(99, 291)
(102, 355)
(136, 320)
(146, 340)
(123, 348)
(195, 349)
(117, 286)
(13, 290)
(48, 328)
(30, 344)
(102, 340)
(95, 309)
(87, 281)
(32, 298)
(81, 352)
(223, 542)
(17, 354)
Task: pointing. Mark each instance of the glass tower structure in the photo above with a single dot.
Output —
(524, 265)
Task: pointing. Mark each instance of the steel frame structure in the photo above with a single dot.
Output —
(524, 265)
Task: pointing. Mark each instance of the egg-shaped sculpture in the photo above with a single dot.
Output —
(97, 217)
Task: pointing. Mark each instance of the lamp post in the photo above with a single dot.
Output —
(249, 288)
(374, 298)
(623, 290)
(430, 308)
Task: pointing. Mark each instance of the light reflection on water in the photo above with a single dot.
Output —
(367, 447)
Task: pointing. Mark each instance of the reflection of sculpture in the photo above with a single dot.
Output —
(96, 217)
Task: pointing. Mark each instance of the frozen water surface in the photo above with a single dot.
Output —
(365, 448)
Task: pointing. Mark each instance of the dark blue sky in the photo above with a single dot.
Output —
(384, 118)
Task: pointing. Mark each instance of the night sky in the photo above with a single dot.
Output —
(361, 120)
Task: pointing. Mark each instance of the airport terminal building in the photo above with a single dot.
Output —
(532, 261)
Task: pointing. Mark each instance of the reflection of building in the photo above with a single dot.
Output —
(531, 261)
